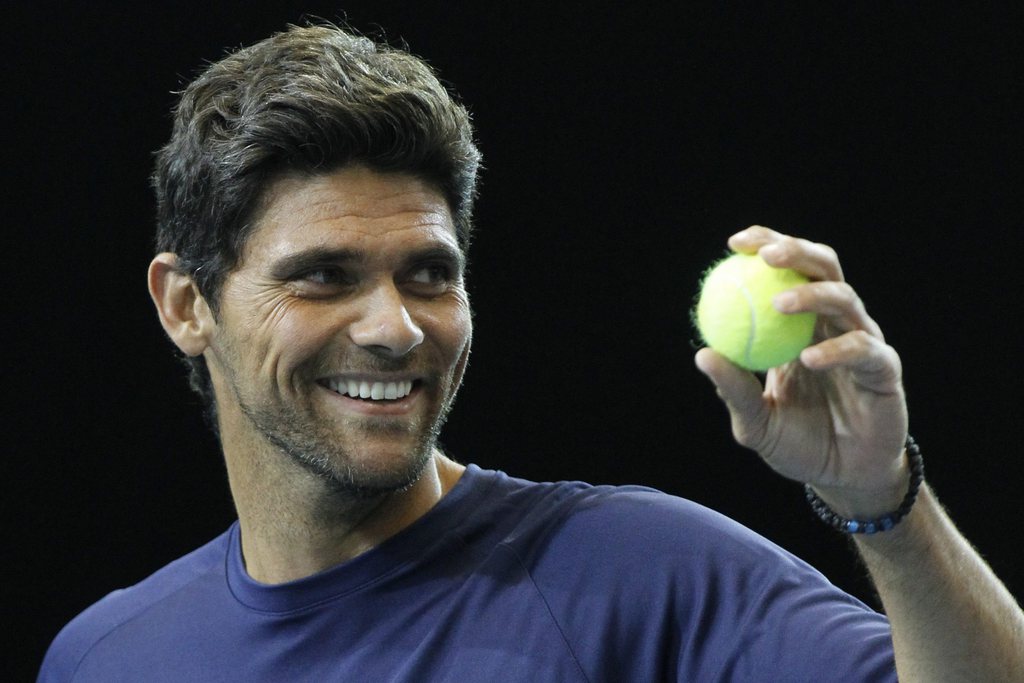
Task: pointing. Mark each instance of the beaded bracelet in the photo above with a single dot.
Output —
(885, 522)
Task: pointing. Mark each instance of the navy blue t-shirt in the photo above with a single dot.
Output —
(503, 580)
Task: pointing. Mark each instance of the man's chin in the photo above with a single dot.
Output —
(371, 474)
(370, 490)
(365, 457)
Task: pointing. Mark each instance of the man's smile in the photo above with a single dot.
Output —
(393, 395)
(370, 389)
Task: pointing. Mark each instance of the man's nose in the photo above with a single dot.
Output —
(385, 325)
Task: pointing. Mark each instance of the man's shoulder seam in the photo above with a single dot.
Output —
(136, 614)
(547, 606)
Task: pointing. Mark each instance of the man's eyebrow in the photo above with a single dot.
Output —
(440, 252)
(306, 259)
(314, 257)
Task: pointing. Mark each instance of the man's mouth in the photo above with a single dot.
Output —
(373, 391)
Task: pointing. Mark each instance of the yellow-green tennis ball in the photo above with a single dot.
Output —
(736, 318)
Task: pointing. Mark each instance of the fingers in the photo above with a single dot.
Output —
(837, 302)
(875, 365)
(816, 261)
(848, 336)
(742, 394)
(840, 308)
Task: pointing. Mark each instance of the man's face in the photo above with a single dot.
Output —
(344, 331)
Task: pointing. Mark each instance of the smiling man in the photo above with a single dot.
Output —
(315, 205)
(339, 342)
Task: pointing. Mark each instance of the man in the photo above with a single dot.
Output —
(315, 209)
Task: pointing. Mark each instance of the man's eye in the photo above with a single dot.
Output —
(325, 276)
(323, 281)
(432, 274)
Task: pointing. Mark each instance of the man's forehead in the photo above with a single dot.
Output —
(353, 203)
(354, 190)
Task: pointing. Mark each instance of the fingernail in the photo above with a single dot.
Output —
(784, 302)
(811, 355)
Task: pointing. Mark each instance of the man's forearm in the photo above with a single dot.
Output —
(952, 619)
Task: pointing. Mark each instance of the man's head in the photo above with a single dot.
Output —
(342, 335)
(307, 101)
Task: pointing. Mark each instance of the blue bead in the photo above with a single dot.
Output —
(852, 526)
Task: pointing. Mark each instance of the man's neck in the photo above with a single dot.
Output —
(296, 528)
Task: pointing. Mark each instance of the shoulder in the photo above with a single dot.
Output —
(120, 607)
(615, 563)
(575, 534)
(617, 521)
(681, 550)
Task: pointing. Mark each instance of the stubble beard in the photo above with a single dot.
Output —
(326, 448)
(323, 453)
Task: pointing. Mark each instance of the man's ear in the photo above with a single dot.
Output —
(183, 311)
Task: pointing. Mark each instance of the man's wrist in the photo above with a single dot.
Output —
(876, 511)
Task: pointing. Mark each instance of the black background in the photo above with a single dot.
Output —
(622, 147)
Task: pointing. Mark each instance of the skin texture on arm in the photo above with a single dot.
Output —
(952, 619)
(837, 419)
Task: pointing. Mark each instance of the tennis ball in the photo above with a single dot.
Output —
(736, 318)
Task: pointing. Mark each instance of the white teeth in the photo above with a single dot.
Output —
(372, 390)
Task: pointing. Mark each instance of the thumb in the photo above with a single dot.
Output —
(741, 392)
